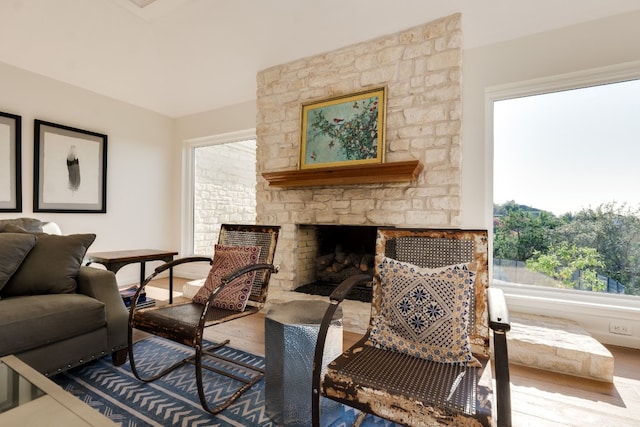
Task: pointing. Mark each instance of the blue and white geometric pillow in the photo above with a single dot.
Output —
(424, 312)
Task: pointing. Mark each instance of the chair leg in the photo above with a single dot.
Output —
(503, 387)
(136, 373)
(196, 360)
(359, 419)
(248, 383)
(119, 357)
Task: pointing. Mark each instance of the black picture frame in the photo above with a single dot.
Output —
(69, 170)
(10, 162)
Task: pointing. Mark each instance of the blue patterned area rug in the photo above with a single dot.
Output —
(173, 399)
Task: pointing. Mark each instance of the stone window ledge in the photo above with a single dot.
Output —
(594, 311)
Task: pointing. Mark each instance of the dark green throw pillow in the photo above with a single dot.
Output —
(14, 248)
(31, 225)
(12, 228)
(51, 267)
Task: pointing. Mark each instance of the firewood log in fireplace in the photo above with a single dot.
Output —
(336, 266)
(355, 259)
(342, 258)
(366, 263)
(324, 261)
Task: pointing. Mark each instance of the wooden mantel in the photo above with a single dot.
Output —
(374, 173)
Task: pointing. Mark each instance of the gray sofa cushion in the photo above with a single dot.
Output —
(51, 267)
(28, 224)
(35, 321)
(13, 250)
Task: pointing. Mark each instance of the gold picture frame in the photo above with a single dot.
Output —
(344, 131)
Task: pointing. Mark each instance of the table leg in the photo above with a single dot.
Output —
(142, 275)
(171, 285)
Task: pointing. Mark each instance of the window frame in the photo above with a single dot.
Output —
(593, 310)
(187, 188)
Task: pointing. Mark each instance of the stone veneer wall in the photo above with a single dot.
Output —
(224, 191)
(421, 68)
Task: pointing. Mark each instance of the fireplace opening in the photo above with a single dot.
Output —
(329, 254)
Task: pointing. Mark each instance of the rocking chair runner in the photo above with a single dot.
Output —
(184, 323)
(414, 382)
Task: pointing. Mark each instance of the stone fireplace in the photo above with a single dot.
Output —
(421, 69)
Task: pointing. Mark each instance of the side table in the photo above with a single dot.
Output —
(28, 398)
(291, 332)
(115, 260)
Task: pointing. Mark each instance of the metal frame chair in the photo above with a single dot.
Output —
(411, 390)
(184, 323)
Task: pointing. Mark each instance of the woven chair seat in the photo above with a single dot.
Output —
(179, 322)
(371, 374)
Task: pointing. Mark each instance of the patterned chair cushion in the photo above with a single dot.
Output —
(424, 312)
(226, 260)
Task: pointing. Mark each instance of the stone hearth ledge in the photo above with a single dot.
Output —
(558, 345)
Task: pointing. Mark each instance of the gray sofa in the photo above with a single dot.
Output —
(55, 313)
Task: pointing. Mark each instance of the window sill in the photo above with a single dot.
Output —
(594, 312)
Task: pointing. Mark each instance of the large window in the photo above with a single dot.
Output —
(221, 188)
(565, 188)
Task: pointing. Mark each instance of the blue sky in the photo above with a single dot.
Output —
(569, 150)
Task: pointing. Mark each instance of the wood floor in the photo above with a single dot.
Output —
(539, 398)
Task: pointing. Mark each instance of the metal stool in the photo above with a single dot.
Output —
(291, 331)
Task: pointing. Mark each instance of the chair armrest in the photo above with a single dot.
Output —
(171, 264)
(498, 311)
(244, 270)
(102, 285)
(157, 271)
(336, 297)
(343, 289)
(500, 324)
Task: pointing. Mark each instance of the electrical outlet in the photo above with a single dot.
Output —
(620, 328)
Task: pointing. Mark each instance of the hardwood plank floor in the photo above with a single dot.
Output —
(538, 398)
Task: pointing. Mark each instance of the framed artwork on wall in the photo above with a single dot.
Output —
(344, 131)
(10, 163)
(70, 169)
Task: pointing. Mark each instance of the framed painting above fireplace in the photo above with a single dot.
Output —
(344, 131)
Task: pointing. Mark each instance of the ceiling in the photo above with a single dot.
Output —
(180, 57)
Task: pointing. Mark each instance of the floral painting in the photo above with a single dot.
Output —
(344, 131)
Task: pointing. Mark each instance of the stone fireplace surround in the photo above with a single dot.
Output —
(421, 69)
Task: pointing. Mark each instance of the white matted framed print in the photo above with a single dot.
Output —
(10, 163)
(70, 169)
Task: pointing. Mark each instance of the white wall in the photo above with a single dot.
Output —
(142, 172)
(215, 122)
